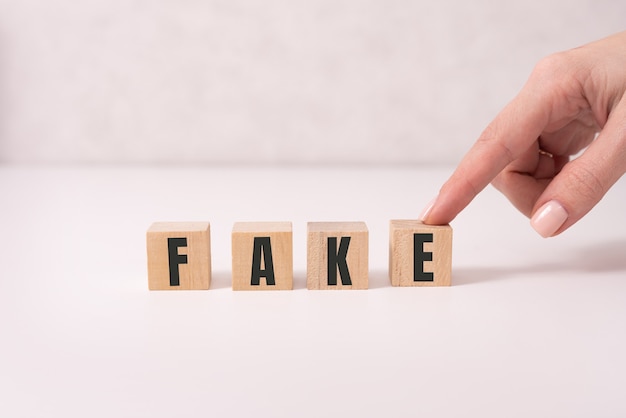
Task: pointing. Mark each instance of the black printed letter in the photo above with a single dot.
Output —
(338, 260)
(175, 258)
(262, 245)
(419, 256)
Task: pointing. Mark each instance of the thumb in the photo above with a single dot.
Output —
(583, 182)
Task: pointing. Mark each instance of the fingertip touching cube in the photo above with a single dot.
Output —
(419, 254)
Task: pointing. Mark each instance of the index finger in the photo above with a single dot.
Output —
(515, 129)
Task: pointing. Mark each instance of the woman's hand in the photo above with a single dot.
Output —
(573, 101)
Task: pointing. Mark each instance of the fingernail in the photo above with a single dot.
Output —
(549, 218)
(427, 210)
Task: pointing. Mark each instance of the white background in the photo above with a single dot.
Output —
(271, 81)
(529, 328)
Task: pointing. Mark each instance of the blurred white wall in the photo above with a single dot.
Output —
(389, 81)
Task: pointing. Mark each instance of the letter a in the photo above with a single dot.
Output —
(262, 245)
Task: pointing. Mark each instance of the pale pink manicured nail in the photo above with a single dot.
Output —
(427, 210)
(549, 218)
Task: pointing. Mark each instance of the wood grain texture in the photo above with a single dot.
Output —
(402, 253)
(195, 273)
(318, 234)
(280, 247)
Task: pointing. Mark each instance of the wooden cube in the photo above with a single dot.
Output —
(337, 255)
(419, 254)
(262, 256)
(179, 255)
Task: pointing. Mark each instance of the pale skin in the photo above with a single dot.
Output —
(573, 101)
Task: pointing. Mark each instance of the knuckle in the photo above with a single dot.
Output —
(557, 71)
(587, 184)
(554, 66)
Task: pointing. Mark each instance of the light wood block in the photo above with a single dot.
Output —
(419, 254)
(337, 255)
(262, 256)
(179, 255)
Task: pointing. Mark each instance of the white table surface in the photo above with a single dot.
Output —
(530, 327)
